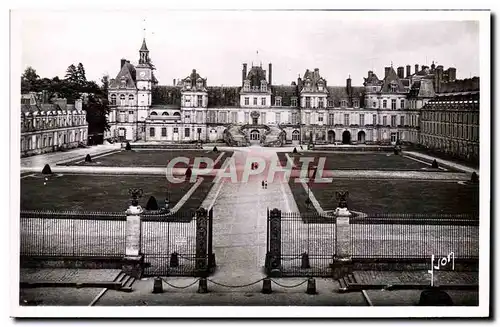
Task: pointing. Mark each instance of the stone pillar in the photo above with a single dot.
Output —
(133, 260)
(342, 263)
(274, 255)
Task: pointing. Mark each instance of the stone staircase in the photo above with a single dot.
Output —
(346, 282)
(274, 137)
(126, 282)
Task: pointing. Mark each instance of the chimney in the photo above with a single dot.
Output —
(370, 73)
(299, 82)
(416, 68)
(349, 86)
(270, 74)
(316, 72)
(452, 74)
(433, 66)
(401, 72)
(174, 81)
(243, 74)
(408, 70)
(122, 62)
(387, 69)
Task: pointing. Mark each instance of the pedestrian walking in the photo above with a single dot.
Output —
(265, 185)
(262, 184)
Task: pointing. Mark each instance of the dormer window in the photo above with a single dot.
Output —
(199, 83)
(308, 83)
(246, 85)
(123, 81)
(320, 86)
(263, 86)
(393, 87)
(330, 103)
(187, 83)
(278, 101)
(343, 103)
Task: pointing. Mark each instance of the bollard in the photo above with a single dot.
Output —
(174, 260)
(202, 286)
(157, 285)
(266, 286)
(311, 286)
(305, 261)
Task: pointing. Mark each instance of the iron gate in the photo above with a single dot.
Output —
(300, 244)
(178, 244)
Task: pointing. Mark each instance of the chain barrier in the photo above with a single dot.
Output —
(292, 258)
(186, 258)
(235, 286)
(180, 287)
(288, 286)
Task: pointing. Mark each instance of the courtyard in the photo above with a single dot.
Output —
(153, 158)
(359, 161)
(63, 192)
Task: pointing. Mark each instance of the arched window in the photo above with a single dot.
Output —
(164, 113)
(131, 97)
(295, 136)
(122, 99)
(113, 99)
(177, 113)
(153, 113)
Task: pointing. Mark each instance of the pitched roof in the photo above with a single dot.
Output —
(144, 47)
(392, 79)
(463, 85)
(286, 92)
(314, 77)
(127, 73)
(166, 95)
(339, 93)
(193, 78)
(256, 75)
(223, 96)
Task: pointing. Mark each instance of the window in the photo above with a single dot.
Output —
(374, 105)
(234, 117)
(152, 132)
(308, 118)
(254, 101)
(330, 103)
(393, 104)
(384, 104)
(176, 129)
(331, 119)
(278, 118)
(198, 131)
(263, 86)
(211, 117)
(130, 112)
(278, 101)
(384, 120)
(164, 131)
(247, 118)
(187, 101)
(402, 120)
(122, 99)
(321, 104)
(200, 100)
(402, 104)
(223, 117)
(343, 103)
(308, 102)
(393, 120)
(247, 101)
(246, 85)
(263, 101)
(361, 119)
(294, 102)
(263, 118)
(294, 118)
(320, 118)
(346, 119)
(131, 97)
(356, 103)
(113, 99)
(186, 132)
(153, 113)
(295, 136)
(374, 117)
(164, 113)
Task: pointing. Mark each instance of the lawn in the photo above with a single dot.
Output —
(152, 158)
(104, 192)
(358, 161)
(393, 196)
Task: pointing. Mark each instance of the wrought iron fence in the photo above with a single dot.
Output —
(72, 233)
(307, 243)
(171, 243)
(414, 236)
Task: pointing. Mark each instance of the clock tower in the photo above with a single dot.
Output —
(144, 77)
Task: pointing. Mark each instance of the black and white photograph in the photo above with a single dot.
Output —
(233, 163)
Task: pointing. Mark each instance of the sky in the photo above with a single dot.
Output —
(217, 43)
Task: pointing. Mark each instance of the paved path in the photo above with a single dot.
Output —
(52, 158)
(452, 164)
(240, 218)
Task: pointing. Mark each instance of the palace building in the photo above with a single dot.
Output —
(384, 110)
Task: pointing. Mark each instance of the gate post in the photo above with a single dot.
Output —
(133, 262)
(343, 257)
(274, 237)
(201, 267)
(211, 254)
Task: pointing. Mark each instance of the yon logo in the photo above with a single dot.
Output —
(444, 262)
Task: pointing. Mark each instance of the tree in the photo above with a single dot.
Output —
(71, 74)
(105, 84)
(80, 75)
(97, 109)
(29, 80)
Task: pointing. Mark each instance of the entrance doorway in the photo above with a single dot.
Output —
(394, 138)
(255, 136)
(346, 137)
(331, 137)
(361, 137)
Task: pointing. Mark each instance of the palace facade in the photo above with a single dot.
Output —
(48, 127)
(383, 110)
